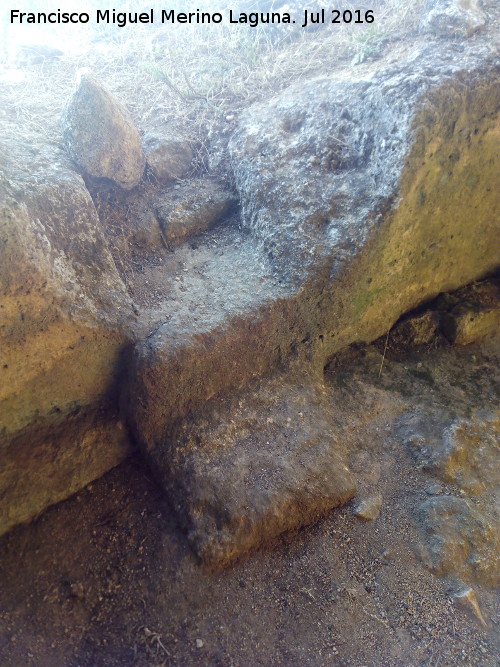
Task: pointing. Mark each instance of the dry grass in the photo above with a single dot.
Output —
(194, 76)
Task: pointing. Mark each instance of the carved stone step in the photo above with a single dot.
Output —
(253, 465)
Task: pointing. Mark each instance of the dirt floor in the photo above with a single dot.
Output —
(107, 578)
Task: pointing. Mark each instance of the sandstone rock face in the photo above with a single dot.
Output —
(348, 189)
(101, 136)
(417, 329)
(358, 192)
(474, 315)
(144, 231)
(46, 464)
(466, 325)
(168, 157)
(64, 313)
(355, 170)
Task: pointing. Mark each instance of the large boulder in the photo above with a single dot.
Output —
(374, 163)
(101, 136)
(65, 314)
(359, 189)
(364, 193)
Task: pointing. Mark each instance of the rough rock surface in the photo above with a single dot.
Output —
(357, 192)
(192, 209)
(471, 313)
(101, 136)
(253, 465)
(338, 244)
(343, 591)
(453, 18)
(417, 329)
(461, 536)
(169, 157)
(46, 464)
(63, 327)
(457, 450)
(144, 232)
(460, 539)
(466, 325)
(320, 169)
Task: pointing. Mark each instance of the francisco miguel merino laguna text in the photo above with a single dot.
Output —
(253, 19)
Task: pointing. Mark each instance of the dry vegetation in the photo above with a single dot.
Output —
(195, 75)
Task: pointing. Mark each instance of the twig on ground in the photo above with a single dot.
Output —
(383, 356)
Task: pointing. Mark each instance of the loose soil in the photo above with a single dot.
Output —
(107, 578)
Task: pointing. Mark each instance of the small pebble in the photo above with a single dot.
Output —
(200, 643)
(369, 508)
(76, 591)
(434, 490)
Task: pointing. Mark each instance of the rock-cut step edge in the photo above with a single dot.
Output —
(252, 466)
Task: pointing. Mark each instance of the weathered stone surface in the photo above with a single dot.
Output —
(461, 539)
(338, 243)
(63, 327)
(144, 232)
(48, 462)
(357, 191)
(471, 313)
(192, 209)
(467, 324)
(253, 465)
(169, 157)
(460, 533)
(320, 166)
(101, 136)
(453, 18)
(457, 450)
